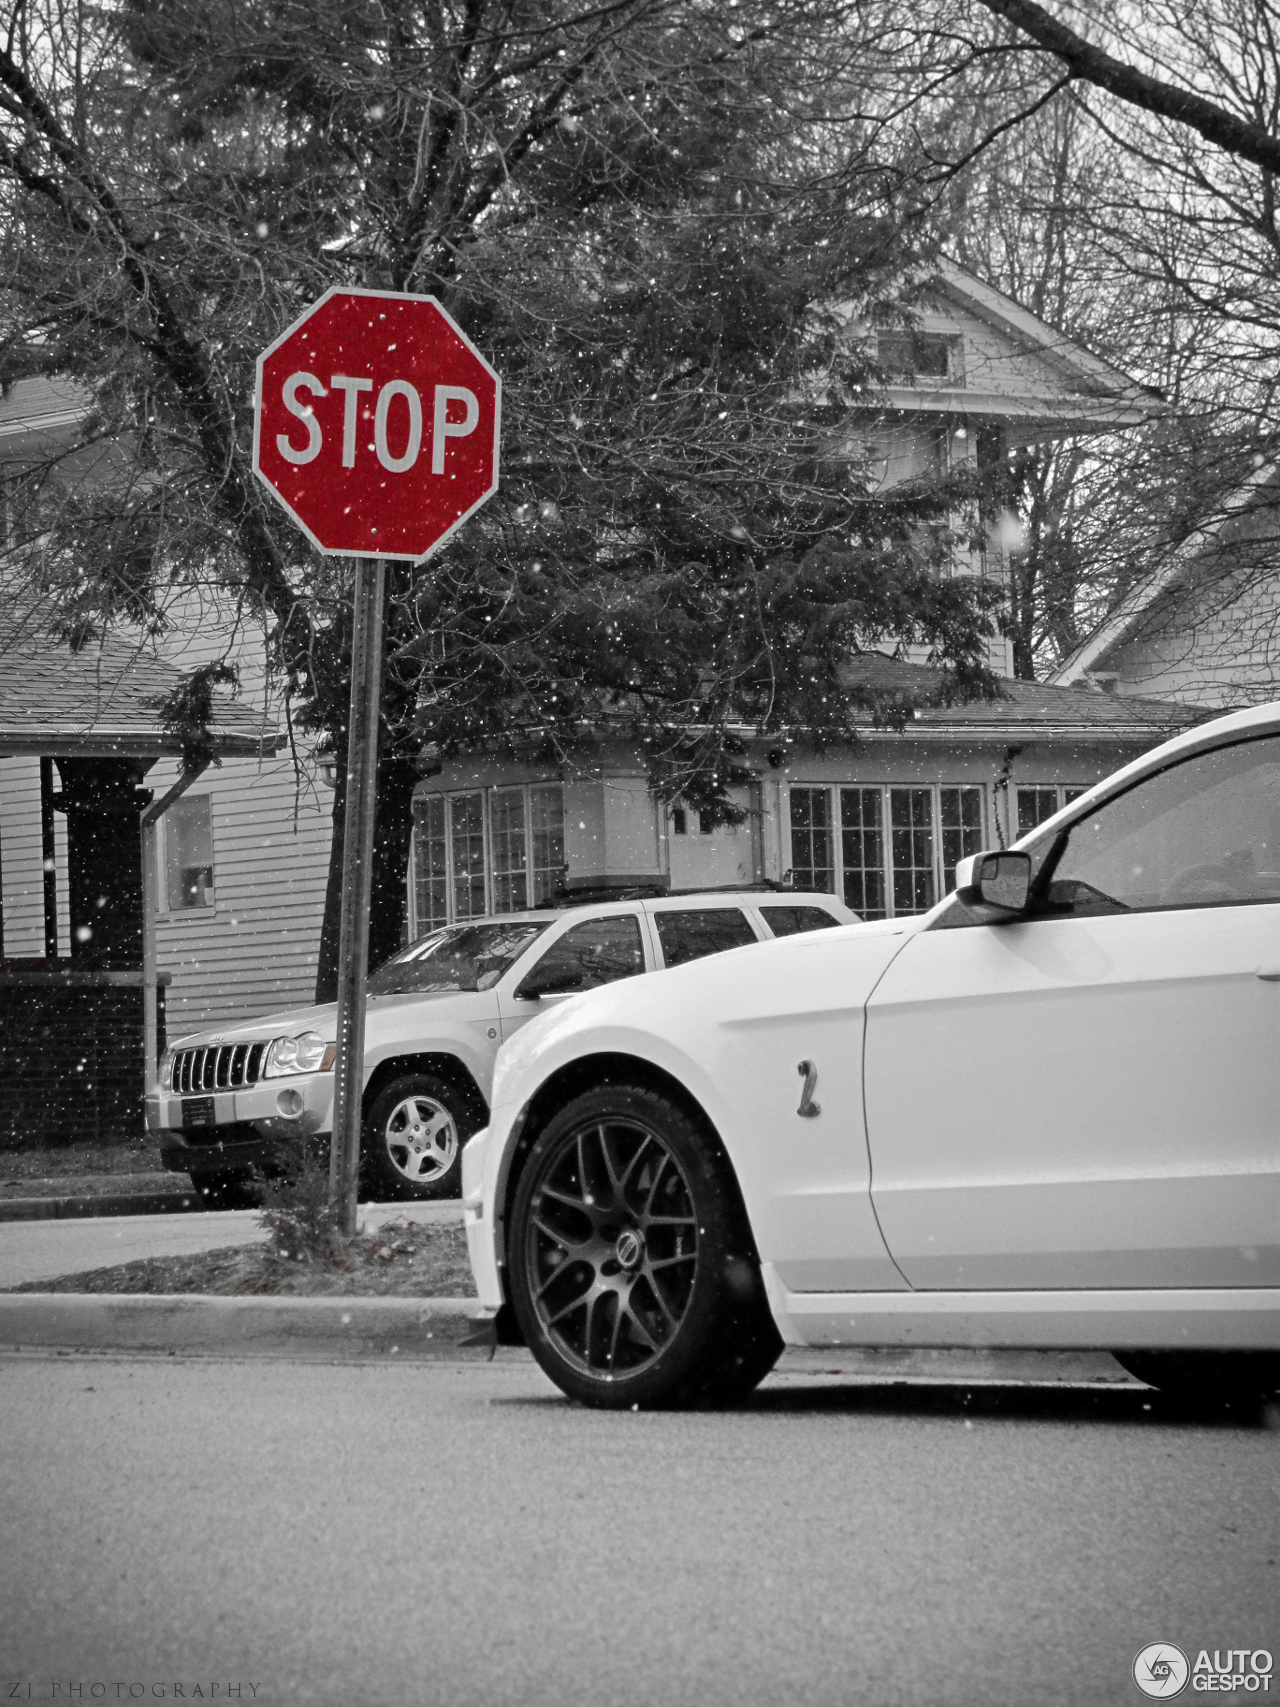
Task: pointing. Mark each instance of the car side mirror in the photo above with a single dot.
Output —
(548, 979)
(1001, 881)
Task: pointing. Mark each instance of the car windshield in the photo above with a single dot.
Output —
(459, 957)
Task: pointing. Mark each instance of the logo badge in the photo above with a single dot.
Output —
(1161, 1671)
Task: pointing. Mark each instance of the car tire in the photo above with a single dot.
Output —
(414, 1131)
(1207, 1377)
(234, 1189)
(630, 1264)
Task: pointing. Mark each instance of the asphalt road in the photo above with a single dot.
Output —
(458, 1534)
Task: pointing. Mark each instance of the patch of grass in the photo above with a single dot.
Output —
(410, 1261)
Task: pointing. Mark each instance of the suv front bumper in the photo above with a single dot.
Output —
(225, 1131)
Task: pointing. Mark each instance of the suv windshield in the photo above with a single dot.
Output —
(459, 957)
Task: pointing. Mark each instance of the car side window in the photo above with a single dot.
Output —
(690, 934)
(1203, 833)
(600, 950)
(790, 921)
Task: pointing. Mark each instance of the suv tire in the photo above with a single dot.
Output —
(414, 1131)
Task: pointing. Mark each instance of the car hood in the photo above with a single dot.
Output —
(669, 1015)
(323, 1017)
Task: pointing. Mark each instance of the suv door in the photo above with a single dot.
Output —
(593, 951)
(1088, 1097)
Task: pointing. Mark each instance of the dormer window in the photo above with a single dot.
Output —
(919, 358)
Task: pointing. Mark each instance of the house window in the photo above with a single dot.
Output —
(188, 853)
(1040, 801)
(494, 850)
(897, 847)
(912, 358)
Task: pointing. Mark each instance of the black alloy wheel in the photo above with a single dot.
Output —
(630, 1270)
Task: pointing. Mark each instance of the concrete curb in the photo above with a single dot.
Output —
(80, 1208)
(189, 1324)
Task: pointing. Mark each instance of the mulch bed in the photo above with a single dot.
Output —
(405, 1261)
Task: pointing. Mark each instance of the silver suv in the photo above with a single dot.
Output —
(230, 1102)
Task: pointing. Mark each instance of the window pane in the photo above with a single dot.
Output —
(188, 852)
(506, 829)
(960, 817)
(600, 951)
(1203, 833)
(911, 838)
(431, 872)
(1034, 806)
(466, 815)
(691, 935)
(546, 812)
(862, 847)
(812, 862)
(792, 921)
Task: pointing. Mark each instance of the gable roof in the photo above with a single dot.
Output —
(1127, 617)
(1035, 378)
(103, 700)
(1026, 710)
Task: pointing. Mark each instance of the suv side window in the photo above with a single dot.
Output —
(791, 921)
(690, 934)
(601, 950)
(1204, 833)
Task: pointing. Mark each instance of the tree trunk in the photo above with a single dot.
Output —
(388, 903)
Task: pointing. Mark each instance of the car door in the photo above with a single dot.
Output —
(1090, 1097)
(593, 951)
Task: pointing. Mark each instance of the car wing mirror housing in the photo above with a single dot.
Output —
(998, 881)
(551, 980)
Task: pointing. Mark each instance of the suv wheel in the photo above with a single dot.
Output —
(413, 1137)
(231, 1190)
(631, 1269)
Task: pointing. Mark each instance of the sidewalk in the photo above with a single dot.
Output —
(43, 1250)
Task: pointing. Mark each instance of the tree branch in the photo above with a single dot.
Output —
(1092, 65)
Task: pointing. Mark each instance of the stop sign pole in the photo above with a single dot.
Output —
(357, 887)
(376, 428)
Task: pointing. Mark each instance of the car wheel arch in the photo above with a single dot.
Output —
(446, 1067)
(587, 1073)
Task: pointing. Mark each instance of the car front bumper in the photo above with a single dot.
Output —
(478, 1217)
(226, 1130)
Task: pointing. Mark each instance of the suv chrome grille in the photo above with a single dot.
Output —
(229, 1067)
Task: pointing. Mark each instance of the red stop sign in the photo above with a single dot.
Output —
(376, 424)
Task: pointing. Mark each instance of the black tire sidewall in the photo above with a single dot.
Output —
(379, 1174)
(678, 1374)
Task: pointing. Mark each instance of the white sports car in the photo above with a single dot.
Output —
(1046, 1113)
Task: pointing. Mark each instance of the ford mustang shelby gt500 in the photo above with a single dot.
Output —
(1043, 1114)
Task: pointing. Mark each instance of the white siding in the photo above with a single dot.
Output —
(256, 949)
(21, 866)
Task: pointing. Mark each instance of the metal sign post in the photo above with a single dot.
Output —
(357, 887)
(376, 429)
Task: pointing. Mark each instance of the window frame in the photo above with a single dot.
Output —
(166, 908)
(887, 870)
(531, 830)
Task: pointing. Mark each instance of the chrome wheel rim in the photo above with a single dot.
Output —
(611, 1247)
(421, 1138)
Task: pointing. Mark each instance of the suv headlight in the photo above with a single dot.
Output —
(306, 1053)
